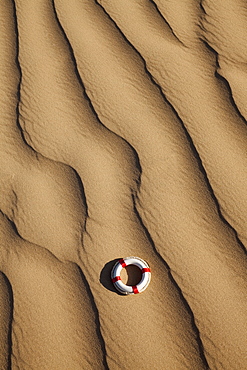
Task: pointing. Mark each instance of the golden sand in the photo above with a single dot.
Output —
(123, 133)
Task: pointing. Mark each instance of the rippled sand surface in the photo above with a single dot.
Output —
(123, 133)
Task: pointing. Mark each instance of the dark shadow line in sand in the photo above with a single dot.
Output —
(97, 321)
(165, 21)
(11, 307)
(77, 74)
(183, 299)
(18, 91)
(218, 208)
(223, 80)
(12, 223)
(230, 95)
(83, 198)
(73, 59)
(202, 7)
(192, 321)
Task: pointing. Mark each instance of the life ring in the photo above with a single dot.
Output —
(127, 289)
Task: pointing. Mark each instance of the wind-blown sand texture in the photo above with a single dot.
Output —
(123, 133)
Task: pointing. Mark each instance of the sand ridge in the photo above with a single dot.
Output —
(118, 138)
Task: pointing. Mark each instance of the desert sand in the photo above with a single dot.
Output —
(123, 133)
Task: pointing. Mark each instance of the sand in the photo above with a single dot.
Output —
(123, 133)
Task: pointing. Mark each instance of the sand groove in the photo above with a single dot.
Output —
(223, 23)
(97, 163)
(5, 321)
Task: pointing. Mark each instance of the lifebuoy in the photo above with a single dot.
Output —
(127, 289)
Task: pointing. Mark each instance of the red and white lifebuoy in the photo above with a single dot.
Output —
(127, 289)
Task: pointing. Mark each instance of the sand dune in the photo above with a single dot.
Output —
(123, 133)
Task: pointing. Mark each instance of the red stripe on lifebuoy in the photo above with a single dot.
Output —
(145, 269)
(122, 262)
(135, 290)
(116, 278)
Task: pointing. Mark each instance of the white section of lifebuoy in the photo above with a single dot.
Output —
(127, 289)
